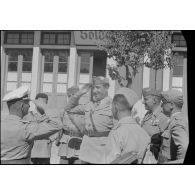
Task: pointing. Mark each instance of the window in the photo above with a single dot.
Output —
(19, 68)
(178, 68)
(85, 63)
(55, 71)
(179, 40)
(20, 38)
(27, 61)
(177, 74)
(55, 38)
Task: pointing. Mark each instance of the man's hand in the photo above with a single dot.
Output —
(85, 89)
(40, 106)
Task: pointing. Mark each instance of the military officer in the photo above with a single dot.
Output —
(98, 119)
(18, 135)
(127, 136)
(154, 120)
(72, 132)
(175, 137)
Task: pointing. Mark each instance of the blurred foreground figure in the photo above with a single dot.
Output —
(17, 134)
(127, 137)
(175, 138)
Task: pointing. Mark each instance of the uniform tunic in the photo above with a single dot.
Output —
(126, 137)
(101, 113)
(17, 135)
(175, 139)
(154, 122)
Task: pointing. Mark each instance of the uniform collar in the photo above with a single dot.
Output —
(175, 114)
(157, 111)
(125, 120)
(104, 102)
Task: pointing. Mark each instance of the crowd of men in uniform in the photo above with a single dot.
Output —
(102, 131)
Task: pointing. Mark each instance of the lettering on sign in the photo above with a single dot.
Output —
(89, 37)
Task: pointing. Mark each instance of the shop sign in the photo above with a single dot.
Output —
(93, 37)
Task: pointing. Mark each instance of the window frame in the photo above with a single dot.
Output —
(19, 71)
(55, 72)
(179, 40)
(56, 37)
(20, 37)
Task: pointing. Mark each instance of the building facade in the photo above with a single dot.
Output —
(52, 61)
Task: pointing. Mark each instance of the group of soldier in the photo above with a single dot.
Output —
(102, 131)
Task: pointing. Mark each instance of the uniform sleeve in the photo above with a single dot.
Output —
(73, 106)
(80, 109)
(41, 130)
(180, 138)
(112, 148)
(163, 123)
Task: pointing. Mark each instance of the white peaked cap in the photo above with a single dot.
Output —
(18, 93)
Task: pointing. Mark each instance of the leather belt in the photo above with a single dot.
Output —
(97, 134)
(73, 133)
(23, 161)
(88, 133)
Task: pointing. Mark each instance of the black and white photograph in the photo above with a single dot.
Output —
(93, 97)
(97, 97)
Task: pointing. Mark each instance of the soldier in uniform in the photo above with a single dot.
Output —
(175, 137)
(98, 119)
(73, 131)
(154, 120)
(18, 135)
(127, 136)
(41, 150)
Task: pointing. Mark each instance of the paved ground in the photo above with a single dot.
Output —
(55, 159)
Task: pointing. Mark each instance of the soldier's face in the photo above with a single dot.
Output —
(25, 107)
(148, 102)
(167, 108)
(99, 92)
(44, 100)
(114, 111)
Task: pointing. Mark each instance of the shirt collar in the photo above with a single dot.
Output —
(106, 100)
(126, 120)
(175, 114)
(157, 110)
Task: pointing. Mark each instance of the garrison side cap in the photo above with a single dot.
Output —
(151, 91)
(174, 96)
(97, 80)
(129, 94)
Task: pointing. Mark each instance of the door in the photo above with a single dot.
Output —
(54, 76)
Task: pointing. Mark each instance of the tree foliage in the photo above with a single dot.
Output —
(133, 49)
